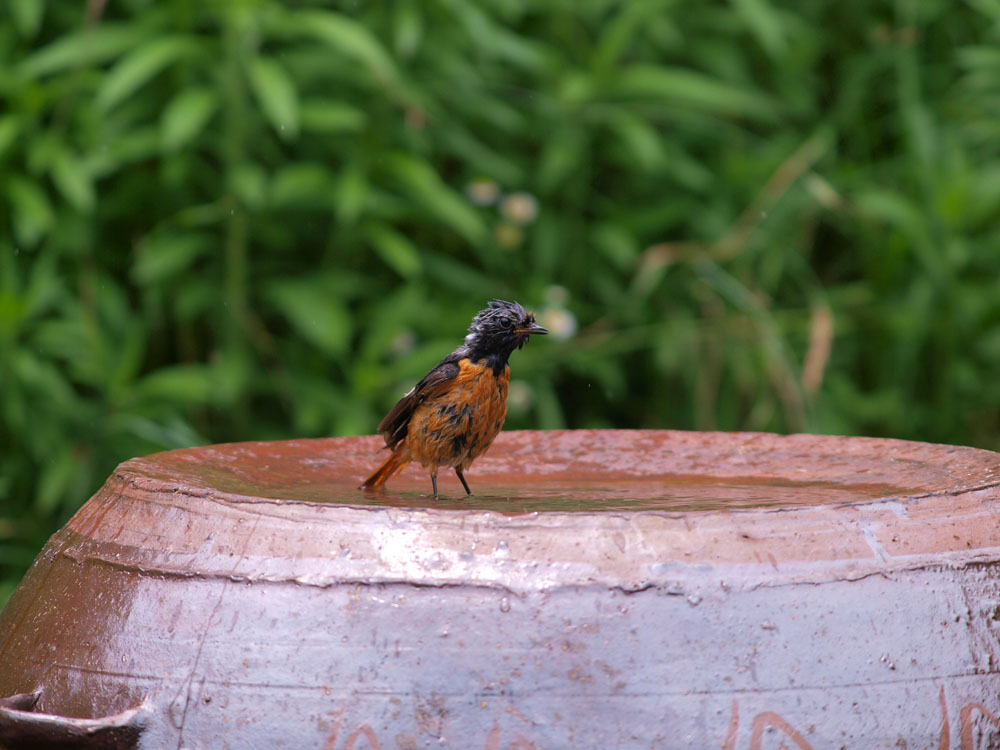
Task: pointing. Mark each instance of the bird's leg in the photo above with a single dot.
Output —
(434, 482)
(464, 483)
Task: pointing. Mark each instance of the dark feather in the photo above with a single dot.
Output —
(393, 428)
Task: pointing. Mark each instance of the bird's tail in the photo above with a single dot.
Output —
(385, 472)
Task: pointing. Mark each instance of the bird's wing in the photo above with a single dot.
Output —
(393, 427)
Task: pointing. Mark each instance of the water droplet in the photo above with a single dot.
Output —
(694, 600)
(504, 604)
(502, 544)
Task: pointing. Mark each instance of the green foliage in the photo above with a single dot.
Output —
(257, 220)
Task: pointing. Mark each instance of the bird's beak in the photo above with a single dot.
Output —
(533, 330)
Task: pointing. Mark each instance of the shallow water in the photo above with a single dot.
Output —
(660, 494)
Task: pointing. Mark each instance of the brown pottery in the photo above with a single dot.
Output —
(602, 589)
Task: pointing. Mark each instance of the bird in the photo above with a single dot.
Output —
(453, 414)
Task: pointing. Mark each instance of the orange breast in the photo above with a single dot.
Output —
(457, 426)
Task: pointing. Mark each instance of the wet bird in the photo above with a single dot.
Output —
(452, 416)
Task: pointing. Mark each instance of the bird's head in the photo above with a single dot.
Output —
(500, 329)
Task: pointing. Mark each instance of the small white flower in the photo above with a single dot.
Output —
(520, 208)
(508, 236)
(556, 295)
(403, 343)
(482, 192)
(560, 322)
(520, 395)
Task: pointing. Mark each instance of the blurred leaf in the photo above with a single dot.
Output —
(765, 23)
(693, 89)
(898, 211)
(892, 207)
(248, 182)
(12, 314)
(44, 288)
(684, 168)
(139, 66)
(620, 31)
(55, 479)
(163, 256)
(71, 340)
(313, 313)
(41, 150)
(38, 375)
(563, 153)
(164, 434)
(33, 215)
(981, 57)
(88, 46)
(351, 194)
(9, 128)
(550, 414)
(186, 116)
(112, 306)
(329, 116)
(276, 93)
(70, 175)
(482, 158)
(395, 249)
(182, 384)
(126, 364)
(134, 146)
(984, 200)
(349, 37)
(424, 186)
(640, 139)
(617, 244)
(27, 15)
(299, 185)
(494, 39)
(458, 276)
(408, 28)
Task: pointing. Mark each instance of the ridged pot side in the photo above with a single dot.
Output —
(214, 593)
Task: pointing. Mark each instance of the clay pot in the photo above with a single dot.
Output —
(602, 589)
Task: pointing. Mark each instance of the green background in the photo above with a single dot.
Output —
(257, 220)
